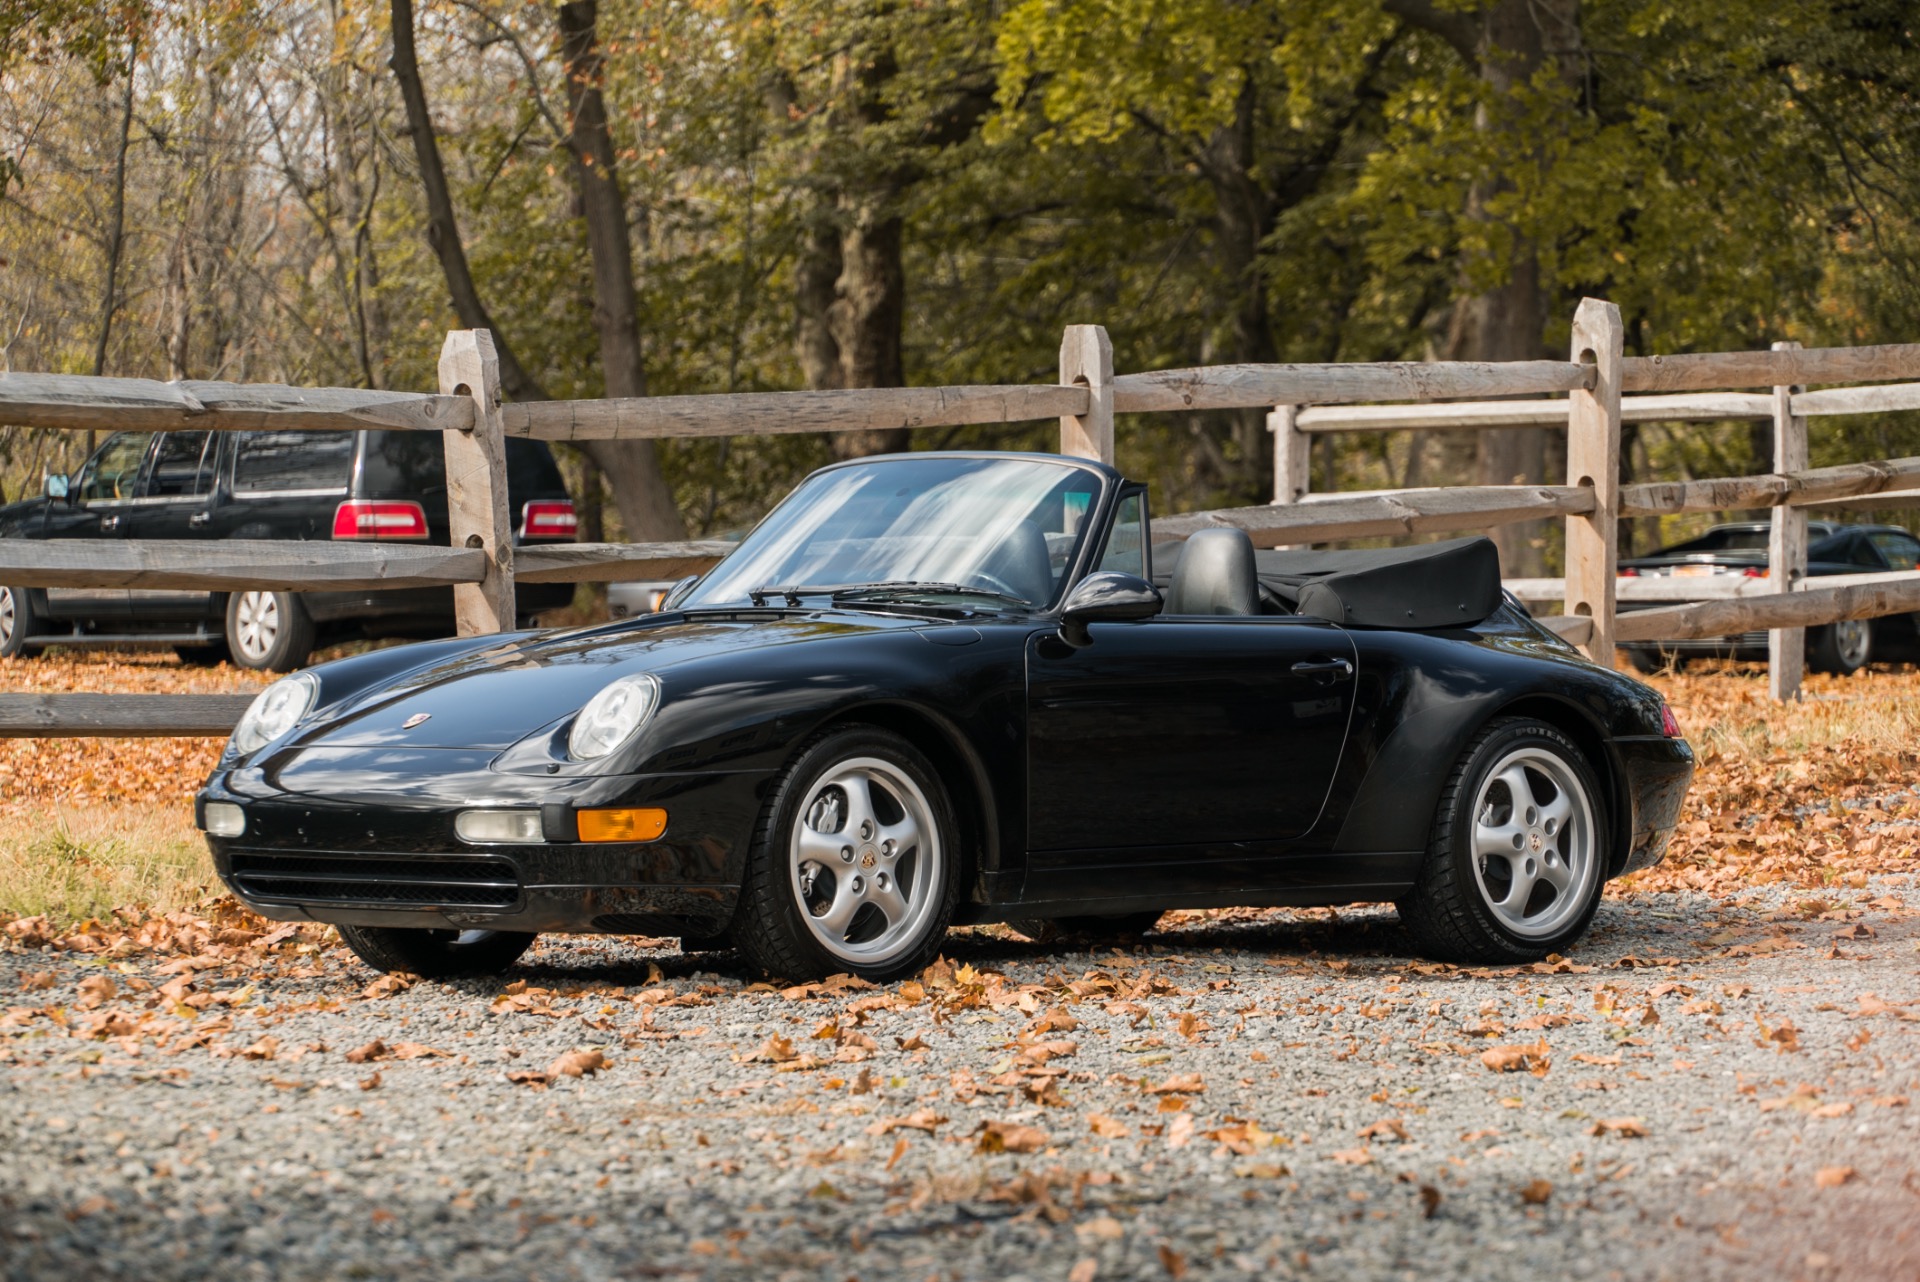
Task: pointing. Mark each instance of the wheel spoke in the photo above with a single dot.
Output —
(1519, 792)
(819, 847)
(904, 835)
(1520, 890)
(888, 899)
(1555, 814)
(1502, 840)
(840, 912)
(860, 820)
(1555, 872)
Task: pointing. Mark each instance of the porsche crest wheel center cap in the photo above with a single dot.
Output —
(867, 857)
(1534, 842)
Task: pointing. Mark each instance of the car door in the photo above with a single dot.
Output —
(1203, 737)
(98, 507)
(174, 502)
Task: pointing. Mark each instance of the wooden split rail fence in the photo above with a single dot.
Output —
(482, 564)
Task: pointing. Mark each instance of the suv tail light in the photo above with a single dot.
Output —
(549, 519)
(1755, 572)
(382, 519)
(1669, 724)
(1628, 572)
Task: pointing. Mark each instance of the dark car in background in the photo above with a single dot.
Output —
(360, 485)
(1740, 548)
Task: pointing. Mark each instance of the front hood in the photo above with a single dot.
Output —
(496, 697)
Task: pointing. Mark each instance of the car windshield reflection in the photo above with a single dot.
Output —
(992, 533)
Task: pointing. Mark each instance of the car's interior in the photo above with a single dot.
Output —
(1455, 583)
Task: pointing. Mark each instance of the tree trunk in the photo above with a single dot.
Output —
(1505, 42)
(116, 236)
(633, 467)
(869, 312)
(632, 472)
(1243, 216)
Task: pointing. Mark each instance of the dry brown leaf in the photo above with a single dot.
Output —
(530, 1077)
(1011, 1137)
(577, 1064)
(1106, 1127)
(1512, 1059)
(1180, 1084)
(1536, 1193)
(1173, 1262)
(921, 1119)
(373, 1050)
(1632, 1128)
(1353, 1156)
(1832, 1177)
(1085, 1269)
(1386, 1126)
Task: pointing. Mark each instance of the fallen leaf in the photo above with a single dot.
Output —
(1084, 1269)
(1180, 1133)
(388, 985)
(924, 1119)
(1429, 1201)
(1386, 1126)
(1353, 1156)
(373, 1050)
(1011, 1137)
(371, 1083)
(1624, 1127)
(1832, 1177)
(529, 1077)
(1106, 1127)
(1173, 1262)
(1181, 1084)
(1536, 1193)
(1511, 1059)
(577, 1064)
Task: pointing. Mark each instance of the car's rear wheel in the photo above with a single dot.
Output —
(269, 631)
(854, 865)
(17, 622)
(1517, 855)
(1841, 648)
(436, 954)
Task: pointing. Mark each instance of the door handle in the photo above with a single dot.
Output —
(109, 522)
(1325, 671)
(199, 519)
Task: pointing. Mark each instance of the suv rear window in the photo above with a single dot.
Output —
(282, 461)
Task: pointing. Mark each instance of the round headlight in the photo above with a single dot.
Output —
(274, 712)
(612, 716)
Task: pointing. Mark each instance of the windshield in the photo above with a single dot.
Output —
(988, 530)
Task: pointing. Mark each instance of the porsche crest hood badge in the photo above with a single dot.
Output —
(414, 720)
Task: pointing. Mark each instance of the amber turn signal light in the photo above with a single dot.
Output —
(621, 825)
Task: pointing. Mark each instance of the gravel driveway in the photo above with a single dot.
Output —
(1714, 1090)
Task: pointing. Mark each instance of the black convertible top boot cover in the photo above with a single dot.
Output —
(1435, 585)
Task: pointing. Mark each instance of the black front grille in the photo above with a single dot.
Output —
(464, 881)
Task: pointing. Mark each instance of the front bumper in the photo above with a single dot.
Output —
(389, 856)
(1656, 771)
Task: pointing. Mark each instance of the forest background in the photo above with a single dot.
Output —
(684, 196)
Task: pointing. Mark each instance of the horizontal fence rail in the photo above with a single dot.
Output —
(1328, 519)
(1714, 587)
(1782, 367)
(120, 716)
(771, 413)
(1219, 387)
(1795, 489)
(143, 405)
(1731, 617)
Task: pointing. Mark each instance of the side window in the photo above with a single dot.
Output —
(182, 466)
(1862, 553)
(1126, 551)
(1902, 551)
(114, 472)
(268, 462)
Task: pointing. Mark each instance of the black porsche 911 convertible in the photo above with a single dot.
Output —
(940, 688)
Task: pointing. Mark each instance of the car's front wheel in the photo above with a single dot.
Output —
(17, 621)
(1841, 648)
(269, 631)
(854, 865)
(436, 954)
(1517, 854)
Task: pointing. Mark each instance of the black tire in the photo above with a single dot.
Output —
(768, 927)
(1100, 929)
(436, 954)
(1841, 649)
(203, 656)
(18, 621)
(1449, 912)
(269, 631)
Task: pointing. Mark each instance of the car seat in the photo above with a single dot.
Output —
(1215, 575)
(1021, 562)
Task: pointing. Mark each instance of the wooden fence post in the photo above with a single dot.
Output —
(1292, 455)
(477, 482)
(1593, 461)
(1086, 358)
(1787, 544)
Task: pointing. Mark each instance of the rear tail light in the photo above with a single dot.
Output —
(366, 519)
(1629, 573)
(1754, 572)
(549, 519)
(1669, 724)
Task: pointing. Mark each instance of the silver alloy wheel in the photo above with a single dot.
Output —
(9, 617)
(1534, 855)
(867, 861)
(258, 617)
(1852, 639)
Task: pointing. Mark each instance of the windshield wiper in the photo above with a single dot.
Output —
(880, 591)
(793, 593)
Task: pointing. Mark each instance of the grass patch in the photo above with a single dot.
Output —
(68, 864)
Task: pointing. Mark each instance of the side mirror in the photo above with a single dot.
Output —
(1106, 597)
(57, 485)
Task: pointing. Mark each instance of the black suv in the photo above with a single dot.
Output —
(359, 485)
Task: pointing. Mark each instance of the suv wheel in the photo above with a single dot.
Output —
(1841, 648)
(17, 621)
(268, 631)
